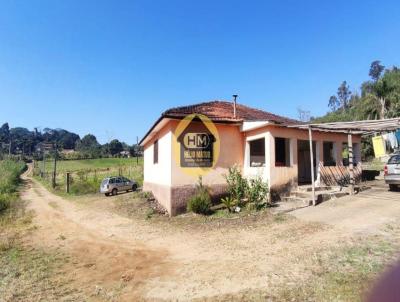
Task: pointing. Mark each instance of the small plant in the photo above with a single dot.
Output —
(257, 191)
(237, 184)
(200, 202)
(150, 212)
(230, 203)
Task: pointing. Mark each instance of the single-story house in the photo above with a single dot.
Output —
(259, 142)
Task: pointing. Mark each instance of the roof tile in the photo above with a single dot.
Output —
(223, 111)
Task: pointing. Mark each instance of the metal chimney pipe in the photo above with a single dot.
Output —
(234, 105)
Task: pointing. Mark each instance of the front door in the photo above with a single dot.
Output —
(304, 161)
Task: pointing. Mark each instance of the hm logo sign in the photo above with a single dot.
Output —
(196, 140)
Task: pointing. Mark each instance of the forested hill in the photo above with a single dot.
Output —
(377, 98)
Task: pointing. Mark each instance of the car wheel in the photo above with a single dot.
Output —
(114, 192)
(392, 187)
(107, 194)
(134, 187)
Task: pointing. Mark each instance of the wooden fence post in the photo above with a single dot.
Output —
(68, 176)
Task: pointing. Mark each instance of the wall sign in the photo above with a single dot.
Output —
(196, 145)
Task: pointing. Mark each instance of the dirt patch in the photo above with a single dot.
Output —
(120, 251)
(102, 265)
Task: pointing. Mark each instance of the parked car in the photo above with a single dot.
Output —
(392, 172)
(115, 184)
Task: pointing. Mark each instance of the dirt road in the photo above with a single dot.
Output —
(130, 260)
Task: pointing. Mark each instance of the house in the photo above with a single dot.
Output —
(207, 138)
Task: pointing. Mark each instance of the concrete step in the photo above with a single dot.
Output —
(308, 188)
(321, 196)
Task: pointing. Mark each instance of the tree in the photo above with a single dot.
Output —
(115, 147)
(344, 95)
(88, 146)
(375, 70)
(333, 103)
(5, 133)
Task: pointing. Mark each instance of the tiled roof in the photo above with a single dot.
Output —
(223, 111)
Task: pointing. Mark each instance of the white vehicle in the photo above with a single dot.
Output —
(392, 172)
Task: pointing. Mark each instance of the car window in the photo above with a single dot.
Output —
(104, 182)
(119, 180)
(125, 179)
(112, 180)
(394, 159)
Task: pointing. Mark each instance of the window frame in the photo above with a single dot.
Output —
(262, 163)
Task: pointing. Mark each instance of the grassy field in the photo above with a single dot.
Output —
(91, 164)
(86, 175)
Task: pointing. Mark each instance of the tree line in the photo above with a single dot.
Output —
(21, 141)
(377, 98)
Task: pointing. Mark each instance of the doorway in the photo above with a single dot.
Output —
(304, 161)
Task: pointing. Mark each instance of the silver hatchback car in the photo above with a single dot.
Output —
(113, 185)
(392, 172)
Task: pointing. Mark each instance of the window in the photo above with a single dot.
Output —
(282, 152)
(257, 153)
(155, 152)
(394, 160)
(329, 154)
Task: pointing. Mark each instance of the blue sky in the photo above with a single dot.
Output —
(111, 67)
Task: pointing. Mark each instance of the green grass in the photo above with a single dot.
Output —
(86, 175)
(90, 164)
(9, 179)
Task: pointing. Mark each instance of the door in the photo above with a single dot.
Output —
(304, 161)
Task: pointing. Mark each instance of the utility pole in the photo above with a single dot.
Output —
(137, 150)
(55, 165)
(44, 163)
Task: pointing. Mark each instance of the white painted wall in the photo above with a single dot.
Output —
(159, 173)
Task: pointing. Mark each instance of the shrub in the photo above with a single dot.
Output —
(230, 203)
(237, 184)
(200, 202)
(257, 191)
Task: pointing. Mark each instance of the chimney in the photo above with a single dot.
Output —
(234, 105)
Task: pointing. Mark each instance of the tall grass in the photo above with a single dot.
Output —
(9, 178)
(86, 175)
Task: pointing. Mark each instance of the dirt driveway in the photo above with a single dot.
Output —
(131, 259)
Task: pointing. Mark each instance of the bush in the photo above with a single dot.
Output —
(200, 202)
(257, 191)
(237, 184)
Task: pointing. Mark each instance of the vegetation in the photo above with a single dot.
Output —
(237, 184)
(200, 202)
(21, 141)
(86, 175)
(9, 179)
(378, 98)
(242, 190)
(257, 191)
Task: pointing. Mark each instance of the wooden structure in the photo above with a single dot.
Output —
(366, 127)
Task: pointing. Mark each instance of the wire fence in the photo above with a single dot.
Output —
(86, 181)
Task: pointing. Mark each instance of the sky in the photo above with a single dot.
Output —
(110, 68)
